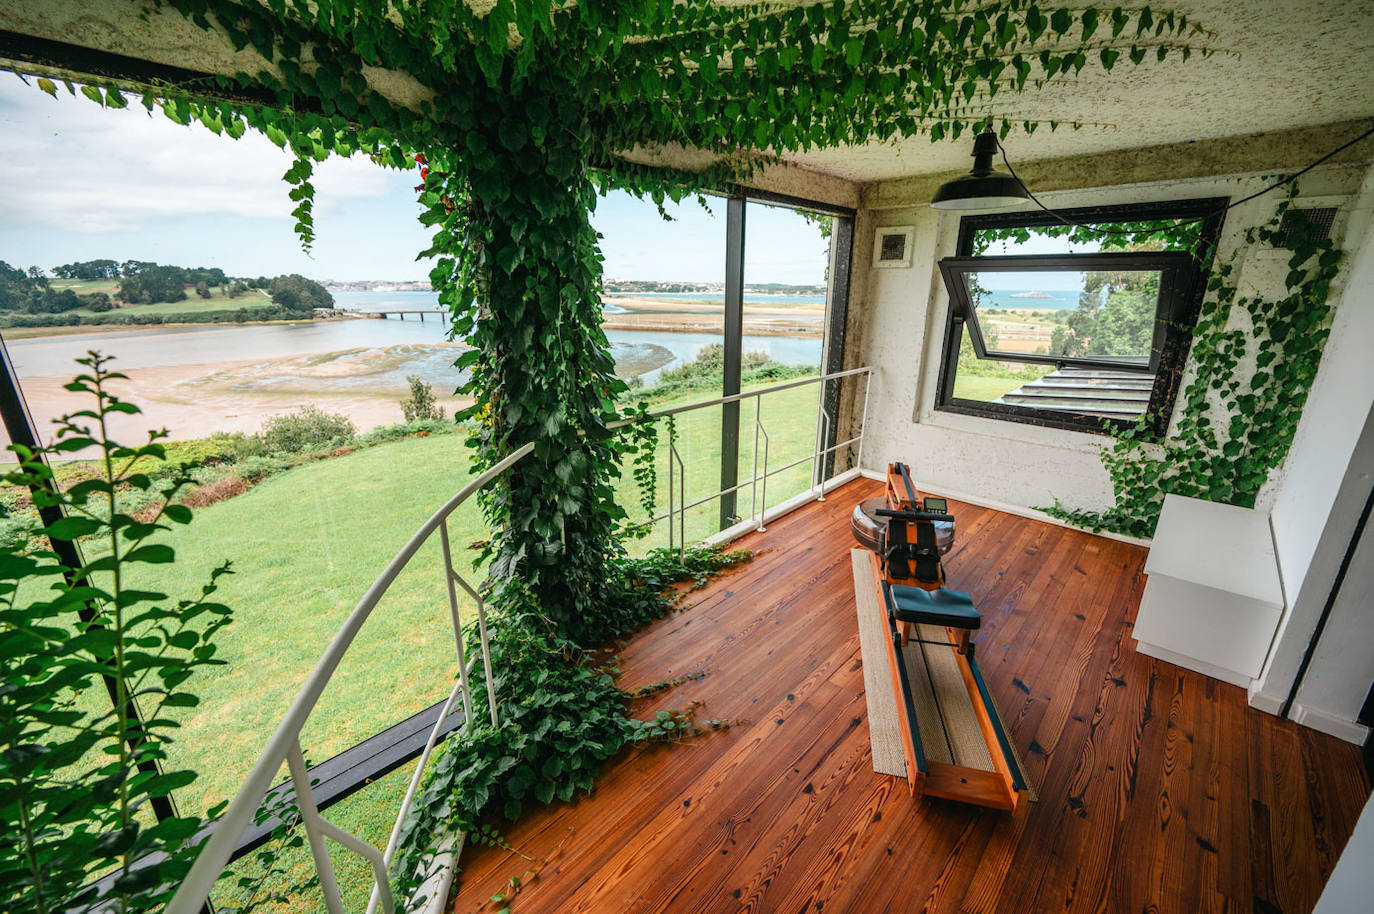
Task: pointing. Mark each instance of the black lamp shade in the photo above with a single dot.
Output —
(981, 188)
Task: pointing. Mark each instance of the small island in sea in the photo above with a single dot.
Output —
(1032, 294)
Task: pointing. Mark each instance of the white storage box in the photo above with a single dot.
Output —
(1213, 599)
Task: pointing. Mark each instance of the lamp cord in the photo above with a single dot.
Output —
(1259, 193)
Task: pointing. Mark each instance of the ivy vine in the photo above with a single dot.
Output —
(1253, 361)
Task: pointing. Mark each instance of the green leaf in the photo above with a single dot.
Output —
(1090, 17)
(70, 528)
(152, 554)
(178, 514)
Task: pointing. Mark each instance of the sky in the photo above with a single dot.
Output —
(79, 182)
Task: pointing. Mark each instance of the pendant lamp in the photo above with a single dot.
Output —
(981, 188)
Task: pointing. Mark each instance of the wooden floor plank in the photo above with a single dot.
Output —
(1160, 789)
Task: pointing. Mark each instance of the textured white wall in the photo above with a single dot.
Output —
(1335, 409)
(900, 331)
(1320, 495)
(1351, 886)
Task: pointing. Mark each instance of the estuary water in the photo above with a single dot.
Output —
(405, 347)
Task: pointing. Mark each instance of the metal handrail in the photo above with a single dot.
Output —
(284, 745)
(674, 410)
(758, 501)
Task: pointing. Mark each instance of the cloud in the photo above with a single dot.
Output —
(146, 168)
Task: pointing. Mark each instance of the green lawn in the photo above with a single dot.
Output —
(789, 421)
(974, 387)
(192, 304)
(86, 286)
(306, 545)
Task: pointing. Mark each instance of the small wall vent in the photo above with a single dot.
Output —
(1322, 217)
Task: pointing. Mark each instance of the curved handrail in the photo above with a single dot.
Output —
(284, 745)
(214, 856)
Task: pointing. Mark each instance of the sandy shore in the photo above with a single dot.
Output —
(692, 316)
(188, 400)
(192, 400)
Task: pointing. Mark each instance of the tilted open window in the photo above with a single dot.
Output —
(1067, 334)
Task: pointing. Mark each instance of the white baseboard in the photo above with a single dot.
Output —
(1005, 507)
(1192, 663)
(1263, 701)
(1339, 727)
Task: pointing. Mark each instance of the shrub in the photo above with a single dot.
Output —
(420, 404)
(239, 445)
(256, 469)
(307, 429)
(404, 430)
(217, 491)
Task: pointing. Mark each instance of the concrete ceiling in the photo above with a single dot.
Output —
(1289, 63)
(1283, 64)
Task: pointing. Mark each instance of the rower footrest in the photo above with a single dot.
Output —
(950, 608)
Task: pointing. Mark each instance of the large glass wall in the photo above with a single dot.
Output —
(310, 396)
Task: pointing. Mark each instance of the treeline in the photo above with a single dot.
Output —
(652, 285)
(32, 301)
(148, 283)
(28, 290)
(132, 317)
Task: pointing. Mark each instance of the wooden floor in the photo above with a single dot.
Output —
(1160, 790)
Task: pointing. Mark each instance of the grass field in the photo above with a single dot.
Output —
(86, 286)
(306, 544)
(974, 387)
(192, 304)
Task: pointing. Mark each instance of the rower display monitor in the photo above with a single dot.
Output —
(935, 505)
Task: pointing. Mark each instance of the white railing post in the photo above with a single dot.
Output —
(754, 477)
(449, 576)
(675, 457)
(818, 461)
(310, 820)
(486, 644)
(763, 481)
(393, 843)
(672, 485)
(863, 421)
(820, 412)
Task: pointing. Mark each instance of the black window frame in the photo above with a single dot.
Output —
(1183, 284)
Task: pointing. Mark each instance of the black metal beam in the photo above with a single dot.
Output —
(18, 50)
(353, 769)
(789, 201)
(734, 345)
(837, 317)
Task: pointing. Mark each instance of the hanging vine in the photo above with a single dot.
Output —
(1253, 361)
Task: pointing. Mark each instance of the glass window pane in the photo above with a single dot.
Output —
(1095, 314)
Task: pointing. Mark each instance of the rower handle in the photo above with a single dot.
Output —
(914, 515)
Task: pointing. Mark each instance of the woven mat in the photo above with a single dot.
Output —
(949, 726)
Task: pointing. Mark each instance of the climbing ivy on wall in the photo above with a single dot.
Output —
(1252, 363)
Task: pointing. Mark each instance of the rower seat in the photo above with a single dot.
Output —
(950, 608)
